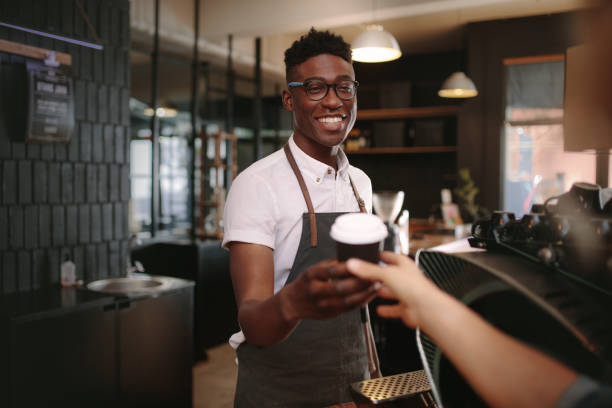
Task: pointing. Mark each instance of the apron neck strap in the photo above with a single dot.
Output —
(311, 214)
(300, 179)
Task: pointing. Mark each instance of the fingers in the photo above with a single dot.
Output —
(339, 304)
(390, 311)
(365, 270)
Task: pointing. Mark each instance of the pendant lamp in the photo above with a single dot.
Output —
(375, 45)
(458, 85)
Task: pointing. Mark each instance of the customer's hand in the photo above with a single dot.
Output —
(403, 281)
(325, 290)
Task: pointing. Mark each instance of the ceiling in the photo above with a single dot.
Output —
(420, 26)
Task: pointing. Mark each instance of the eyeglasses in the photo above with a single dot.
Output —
(317, 89)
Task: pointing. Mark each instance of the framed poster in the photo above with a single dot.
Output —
(50, 111)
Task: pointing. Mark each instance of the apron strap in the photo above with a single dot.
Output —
(300, 179)
(360, 201)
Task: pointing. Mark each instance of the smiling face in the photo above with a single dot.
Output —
(320, 125)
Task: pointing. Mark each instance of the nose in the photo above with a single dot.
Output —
(331, 100)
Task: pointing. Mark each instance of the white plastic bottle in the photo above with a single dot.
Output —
(68, 272)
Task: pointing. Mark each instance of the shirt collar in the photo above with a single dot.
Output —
(313, 168)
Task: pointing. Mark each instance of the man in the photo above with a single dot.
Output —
(302, 342)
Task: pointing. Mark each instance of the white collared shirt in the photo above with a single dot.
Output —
(265, 204)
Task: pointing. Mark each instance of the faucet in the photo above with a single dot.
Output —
(133, 266)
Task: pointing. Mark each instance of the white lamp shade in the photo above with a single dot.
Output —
(458, 85)
(375, 45)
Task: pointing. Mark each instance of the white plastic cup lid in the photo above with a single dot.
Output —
(358, 229)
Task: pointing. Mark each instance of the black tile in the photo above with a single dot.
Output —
(16, 233)
(102, 183)
(97, 143)
(120, 67)
(31, 226)
(98, 68)
(107, 222)
(125, 182)
(91, 263)
(72, 225)
(40, 182)
(102, 255)
(4, 228)
(85, 63)
(33, 151)
(39, 270)
(120, 134)
(92, 101)
(126, 219)
(47, 151)
(67, 183)
(96, 223)
(9, 273)
(61, 152)
(9, 182)
(108, 52)
(118, 219)
(79, 183)
(125, 107)
(54, 183)
(78, 257)
(115, 104)
(115, 269)
(109, 150)
(114, 183)
(25, 182)
(80, 99)
(44, 226)
(103, 103)
(57, 225)
(67, 16)
(24, 271)
(53, 266)
(116, 23)
(92, 183)
(84, 224)
(19, 150)
(85, 141)
(73, 145)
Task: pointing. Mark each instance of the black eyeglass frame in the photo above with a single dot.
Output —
(295, 84)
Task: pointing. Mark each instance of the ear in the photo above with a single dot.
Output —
(287, 98)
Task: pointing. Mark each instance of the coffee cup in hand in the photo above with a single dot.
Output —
(358, 235)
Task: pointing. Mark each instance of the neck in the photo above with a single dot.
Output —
(324, 154)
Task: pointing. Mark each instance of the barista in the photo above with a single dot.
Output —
(301, 342)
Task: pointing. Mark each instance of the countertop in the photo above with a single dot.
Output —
(56, 300)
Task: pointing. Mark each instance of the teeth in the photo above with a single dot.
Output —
(330, 119)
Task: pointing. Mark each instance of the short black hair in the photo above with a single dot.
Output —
(315, 43)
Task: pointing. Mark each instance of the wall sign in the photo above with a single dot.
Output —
(50, 103)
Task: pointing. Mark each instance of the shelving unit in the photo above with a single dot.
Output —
(408, 113)
(215, 199)
(404, 150)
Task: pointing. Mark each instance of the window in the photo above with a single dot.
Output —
(535, 165)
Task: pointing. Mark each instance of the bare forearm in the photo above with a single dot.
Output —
(266, 322)
(505, 372)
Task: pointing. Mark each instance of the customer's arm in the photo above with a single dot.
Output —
(267, 318)
(504, 372)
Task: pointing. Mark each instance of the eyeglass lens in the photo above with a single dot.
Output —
(317, 90)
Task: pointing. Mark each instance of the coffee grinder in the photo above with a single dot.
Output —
(387, 205)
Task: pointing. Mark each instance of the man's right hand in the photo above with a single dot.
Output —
(323, 291)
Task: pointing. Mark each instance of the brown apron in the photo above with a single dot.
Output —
(315, 365)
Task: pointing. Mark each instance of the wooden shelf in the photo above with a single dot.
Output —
(404, 113)
(404, 150)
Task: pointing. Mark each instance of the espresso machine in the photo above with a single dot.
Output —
(387, 205)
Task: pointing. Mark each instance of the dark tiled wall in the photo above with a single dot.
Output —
(72, 199)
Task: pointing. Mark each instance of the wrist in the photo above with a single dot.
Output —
(287, 307)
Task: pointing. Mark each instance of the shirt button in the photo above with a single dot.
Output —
(318, 179)
(329, 171)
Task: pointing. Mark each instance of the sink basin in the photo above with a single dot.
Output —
(126, 285)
